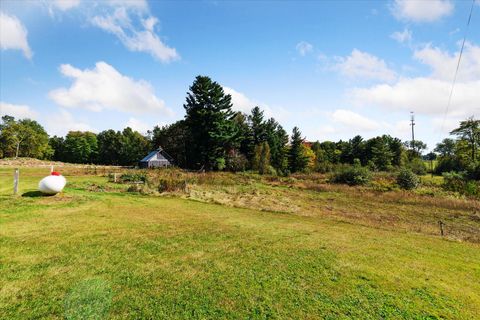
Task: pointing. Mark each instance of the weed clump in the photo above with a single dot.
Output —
(172, 185)
(133, 178)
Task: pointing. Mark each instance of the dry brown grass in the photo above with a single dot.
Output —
(310, 195)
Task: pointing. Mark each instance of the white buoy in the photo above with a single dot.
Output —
(52, 184)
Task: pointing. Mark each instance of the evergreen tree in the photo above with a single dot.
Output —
(257, 124)
(277, 139)
(244, 135)
(297, 161)
(381, 155)
(398, 150)
(209, 123)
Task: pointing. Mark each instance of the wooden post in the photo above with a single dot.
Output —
(441, 224)
(115, 177)
(16, 178)
(51, 168)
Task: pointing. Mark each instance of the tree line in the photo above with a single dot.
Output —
(214, 137)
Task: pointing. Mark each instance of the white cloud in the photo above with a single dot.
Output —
(421, 10)
(134, 4)
(326, 130)
(422, 95)
(65, 5)
(363, 65)
(429, 94)
(105, 88)
(129, 20)
(16, 110)
(59, 123)
(136, 38)
(13, 35)
(138, 125)
(353, 120)
(240, 101)
(303, 48)
(445, 125)
(402, 37)
(244, 104)
(444, 64)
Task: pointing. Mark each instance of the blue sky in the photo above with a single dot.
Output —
(333, 68)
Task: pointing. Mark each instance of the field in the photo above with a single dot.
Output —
(235, 246)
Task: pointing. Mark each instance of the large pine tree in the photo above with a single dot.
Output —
(209, 122)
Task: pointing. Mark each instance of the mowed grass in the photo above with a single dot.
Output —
(87, 253)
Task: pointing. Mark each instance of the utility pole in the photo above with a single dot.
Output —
(412, 124)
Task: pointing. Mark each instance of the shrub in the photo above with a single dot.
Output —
(236, 161)
(453, 181)
(352, 175)
(407, 179)
(383, 182)
(133, 177)
(460, 182)
(417, 166)
(323, 166)
(447, 164)
(271, 171)
(473, 171)
(471, 188)
(220, 163)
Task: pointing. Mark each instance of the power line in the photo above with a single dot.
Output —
(458, 67)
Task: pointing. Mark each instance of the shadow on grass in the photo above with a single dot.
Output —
(34, 194)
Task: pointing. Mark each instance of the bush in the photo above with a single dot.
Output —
(460, 182)
(417, 166)
(473, 171)
(236, 161)
(323, 167)
(133, 177)
(352, 175)
(220, 164)
(447, 164)
(407, 179)
(453, 181)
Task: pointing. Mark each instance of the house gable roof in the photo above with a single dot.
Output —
(154, 155)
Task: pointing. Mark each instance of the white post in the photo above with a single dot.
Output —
(115, 177)
(16, 178)
(51, 168)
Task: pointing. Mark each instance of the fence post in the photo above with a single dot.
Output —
(441, 224)
(51, 168)
(16, 178)
(115, 177)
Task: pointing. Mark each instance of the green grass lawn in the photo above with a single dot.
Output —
(88, 253)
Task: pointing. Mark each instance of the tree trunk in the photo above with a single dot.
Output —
(18, 147)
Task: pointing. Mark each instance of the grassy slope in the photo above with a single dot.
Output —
(153, 257)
